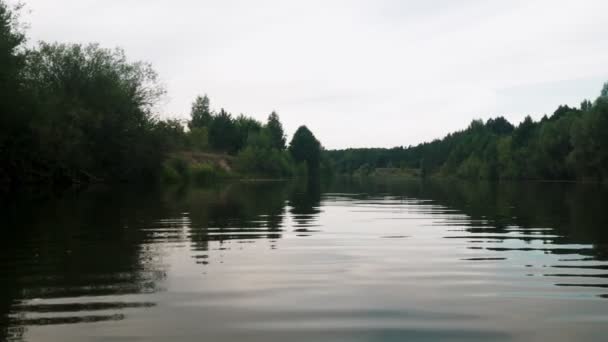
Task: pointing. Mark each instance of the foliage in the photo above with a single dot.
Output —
(204, 173)
(223, 133)
(170, 172)
(264, 162)
(81, 113)
(12, 57)
(198, 138)
(304, 147)
(245, 127)
(92, 110)
(171, 135)
(227, 134)
(179, 170)
(275, 130)
(571, 144)
(200, 114)
(77, 113)
(259, 149)
(13, 123)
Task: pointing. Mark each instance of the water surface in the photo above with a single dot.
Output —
(352, 261)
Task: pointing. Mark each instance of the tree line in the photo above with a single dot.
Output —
(570, 144)
(74, 113)
(259, 149)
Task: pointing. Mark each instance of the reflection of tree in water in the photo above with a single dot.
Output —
(105, 243)
(565, 222)
(239, 212)
(304, 203)
(575, 213)
(86, 244)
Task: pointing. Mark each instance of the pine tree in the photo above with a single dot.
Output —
(275, 128)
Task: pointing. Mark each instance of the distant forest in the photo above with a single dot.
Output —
(571, 144)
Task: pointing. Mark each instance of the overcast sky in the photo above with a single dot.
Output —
(357, 73)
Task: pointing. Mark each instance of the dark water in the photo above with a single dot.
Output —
(284, 262)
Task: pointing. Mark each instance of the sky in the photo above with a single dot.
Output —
(358, 73)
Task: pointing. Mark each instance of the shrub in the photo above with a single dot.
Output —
(261, 162)
(203, 173)
(169, 174)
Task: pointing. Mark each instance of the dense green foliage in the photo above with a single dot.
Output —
(265, 162)
(12, 61)
(201, 113)
(81, 113)
(571, 144)
(177, 169)
(259, 148)
(92, 110)
(305, 148)
(74, 112)
(275, 130)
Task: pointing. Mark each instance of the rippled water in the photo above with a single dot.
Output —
(274, 261)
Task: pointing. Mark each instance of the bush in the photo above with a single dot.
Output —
(198, 138)
(260, 162)
(204, 173)
(169, 174)
(175, 170)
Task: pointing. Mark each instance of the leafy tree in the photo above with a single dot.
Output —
(561, 111)
(586, 105)
(14, 135)
(304, 147)
(499, 126)
(92, 111)
(223, 135)
(171, 134)
(12, 57)
(245, 127)
(264, 162)
(80, 113)
(199, 138)
(259, 139)
(200, 114)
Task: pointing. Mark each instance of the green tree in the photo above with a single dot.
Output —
(223, 134)
(12, 57)
(304, 147)
(245, 127)
(14, 132)
(586, 105)
(172, 135)
(199, 138)
(275, 129)
(200, 114)
(93, 111)
(499, 126)
(264, 162)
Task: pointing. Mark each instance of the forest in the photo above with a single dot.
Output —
(571, 144)
(81, 113)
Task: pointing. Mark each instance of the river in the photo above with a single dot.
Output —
(347, 261)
